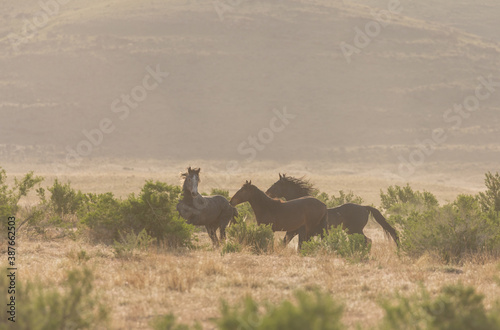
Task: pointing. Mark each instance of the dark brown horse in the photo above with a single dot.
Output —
(298, 216)
(212, 212)
(352, 217)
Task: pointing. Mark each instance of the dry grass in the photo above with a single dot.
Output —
(191, 284)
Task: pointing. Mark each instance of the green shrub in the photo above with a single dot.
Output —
(451, 232)
(245, 212)
(130, 242)
(309, 311)
(64, 199)
(103, 215)
(399, 202)
(221, 192)
(82, 256)
(24, 186)
(231, 247)
(76, 307)
(490, 199)
(35, 217)
(353, 248)
(154, 210)
(59, 211)
(456, 307)
(343, 198)
(259, 238)
(9, 198)
(168, 322)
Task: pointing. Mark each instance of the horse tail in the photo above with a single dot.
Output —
(389, 231)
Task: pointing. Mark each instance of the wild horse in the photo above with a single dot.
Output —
(352, 217)
(212, 212)
(297, 216)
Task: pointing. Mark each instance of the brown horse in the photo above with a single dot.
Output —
(352, 217)
(300, 215)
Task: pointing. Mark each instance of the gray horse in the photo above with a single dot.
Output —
(212, 212)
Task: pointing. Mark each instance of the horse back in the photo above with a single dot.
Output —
(350, 210)
(307, 200)
(308, 206)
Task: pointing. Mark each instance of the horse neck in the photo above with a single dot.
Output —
(260, 202)
(187, 197)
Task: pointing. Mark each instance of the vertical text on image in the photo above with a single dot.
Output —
(11, 269)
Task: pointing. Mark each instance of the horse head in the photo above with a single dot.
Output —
(278, 188)
(191, 180)
(242, 195)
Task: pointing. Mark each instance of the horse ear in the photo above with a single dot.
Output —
(198, 170)
(250, 182)
(280, 175)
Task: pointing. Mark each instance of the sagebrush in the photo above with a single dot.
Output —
(457, 307)
(258, 238)
(353, 247)
(41, 307)
(314, 311)
(452, 232)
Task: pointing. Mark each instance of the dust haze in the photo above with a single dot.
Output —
(412, 88)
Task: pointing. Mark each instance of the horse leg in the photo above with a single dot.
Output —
(303, 233)
(301, 239)
(225, 219)
(222, 230)
(350, 232)
(289, 236)
(187, 212)
(212, 233)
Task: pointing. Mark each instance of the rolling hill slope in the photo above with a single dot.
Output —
(232, 66)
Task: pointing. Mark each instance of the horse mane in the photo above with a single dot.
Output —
(300, 183)
(191, 171)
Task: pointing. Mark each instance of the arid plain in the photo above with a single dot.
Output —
(354, 96)
(191, 284)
